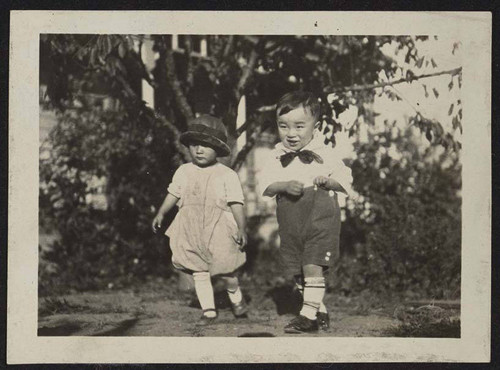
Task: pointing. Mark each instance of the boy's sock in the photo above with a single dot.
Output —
(205, 293)
(322, 307)
(314, 292)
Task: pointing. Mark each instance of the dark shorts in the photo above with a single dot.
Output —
(309, 229)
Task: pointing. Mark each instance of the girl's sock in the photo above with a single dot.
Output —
(322, 307)
(233, 289)
(205, 293)
(235, 296)
(300, 287)
(314, 291)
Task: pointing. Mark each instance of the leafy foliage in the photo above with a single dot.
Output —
(129, 152)
(260, 67)
(108, 242)
(406, 224)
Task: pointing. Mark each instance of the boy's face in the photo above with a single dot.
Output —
(296, 128)
(202, 155)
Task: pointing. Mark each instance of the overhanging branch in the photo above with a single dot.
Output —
(330, 90)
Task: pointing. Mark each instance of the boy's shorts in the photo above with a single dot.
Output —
(309, 229)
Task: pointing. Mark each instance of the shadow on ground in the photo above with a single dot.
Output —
(287, 299)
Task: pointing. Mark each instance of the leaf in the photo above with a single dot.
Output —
(130, 42)
(450, 111)
(122, 50)
(450, 85)
(436, 93)
(117, 64)
(420, 62)
(456, 124)
(426, 93)
(428, 134)
(110, 67)
(93, 56)
(434, 65)
(410, 75)
(107, 44)
(352, 131)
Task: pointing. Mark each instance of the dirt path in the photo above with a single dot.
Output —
(168, 313)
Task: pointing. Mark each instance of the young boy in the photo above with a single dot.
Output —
(306, 175)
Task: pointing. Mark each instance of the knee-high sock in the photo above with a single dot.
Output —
(233, 289)
(300, 288)
(205, 292)
(314, 291)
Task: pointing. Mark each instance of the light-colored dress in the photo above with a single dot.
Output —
(202, 234)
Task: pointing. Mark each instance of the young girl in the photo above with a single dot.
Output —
(207, 236)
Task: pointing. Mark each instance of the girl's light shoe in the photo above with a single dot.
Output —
(204, 319)
(240, 309)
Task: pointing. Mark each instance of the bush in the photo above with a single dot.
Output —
(406, 224)
(99, 178)
(428, 322)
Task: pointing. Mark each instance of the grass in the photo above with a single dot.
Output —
(53, 306)
(427, 322)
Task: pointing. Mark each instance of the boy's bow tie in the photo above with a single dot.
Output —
(306, 156)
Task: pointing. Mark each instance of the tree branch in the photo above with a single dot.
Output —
(251, 141)
(229, 47)
(330, 90)
(248, 70)
(190, 67)
(180, 98)
(176, 134)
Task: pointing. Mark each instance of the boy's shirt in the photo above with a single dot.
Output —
(332, 166)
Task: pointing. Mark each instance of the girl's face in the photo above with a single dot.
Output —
(203, 156)
(296, 128)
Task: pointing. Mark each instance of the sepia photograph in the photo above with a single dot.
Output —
(120, 119)
(257, 185)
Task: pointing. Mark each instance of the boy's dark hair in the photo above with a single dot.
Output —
(295, 99)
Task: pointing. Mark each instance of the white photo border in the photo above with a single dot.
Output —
(474, 29)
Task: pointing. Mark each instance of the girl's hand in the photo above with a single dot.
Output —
(158, 220)
(321, 181)
(241, 239)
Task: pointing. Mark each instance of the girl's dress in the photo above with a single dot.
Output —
(203, 231)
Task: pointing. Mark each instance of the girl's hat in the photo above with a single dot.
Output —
(208, 130)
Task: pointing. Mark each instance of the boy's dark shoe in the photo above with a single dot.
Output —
(301, 324)
(240, 309)
(323, 320)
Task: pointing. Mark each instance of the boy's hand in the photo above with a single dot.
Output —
(321, 181)
(241, 239)
(294, 188)
(158, 220)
